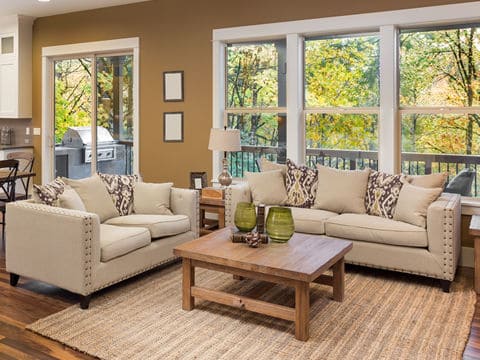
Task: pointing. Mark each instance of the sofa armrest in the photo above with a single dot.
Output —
(443, 230)
(186, 202)
(233, 195)
(51, 244)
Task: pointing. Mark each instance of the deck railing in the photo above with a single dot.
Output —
(412, 163)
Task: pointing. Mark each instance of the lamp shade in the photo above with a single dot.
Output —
(224, 140)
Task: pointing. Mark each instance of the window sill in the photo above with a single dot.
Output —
(470, 206)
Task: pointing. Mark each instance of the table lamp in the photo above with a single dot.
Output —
(224, 140)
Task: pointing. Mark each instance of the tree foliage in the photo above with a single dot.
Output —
(440, 68)
(73, 95)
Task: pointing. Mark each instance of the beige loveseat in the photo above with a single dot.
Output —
(73, 250)
(383, 243)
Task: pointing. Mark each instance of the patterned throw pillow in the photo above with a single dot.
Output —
(382, 193)
(48, 194)
(301, 184)
(120, 188)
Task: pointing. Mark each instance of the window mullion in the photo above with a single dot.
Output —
(219, 95)
(389, 128)
(295, 122)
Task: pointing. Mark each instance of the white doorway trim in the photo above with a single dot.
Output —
(89, 48)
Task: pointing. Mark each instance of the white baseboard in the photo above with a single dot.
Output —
(467, 257)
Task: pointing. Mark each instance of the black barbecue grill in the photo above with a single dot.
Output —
(74, 156)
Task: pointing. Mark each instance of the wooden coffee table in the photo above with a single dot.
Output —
(297, 263)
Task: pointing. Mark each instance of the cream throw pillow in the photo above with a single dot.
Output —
(267, 187)
(413, 203)
(152, 198)
(71, 200)
(267, 165)
(436, 180)
(341, 191)
(94, 196)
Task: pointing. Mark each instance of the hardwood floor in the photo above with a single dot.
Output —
(32, 300)
(20, 306)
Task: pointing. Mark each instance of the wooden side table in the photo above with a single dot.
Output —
(215, 206)
(475, 231)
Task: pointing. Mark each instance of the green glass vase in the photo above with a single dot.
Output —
(280, 226)
(245, 217)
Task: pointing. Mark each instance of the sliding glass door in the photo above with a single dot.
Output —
(93, 126)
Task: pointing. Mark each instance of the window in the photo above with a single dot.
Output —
(439, 99)
(393, 89)
(74, 107)
(103, 81)
(342, 101)
(255, 102)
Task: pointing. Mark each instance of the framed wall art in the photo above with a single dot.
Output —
(173, 127)
(173, 86)
(198, 180)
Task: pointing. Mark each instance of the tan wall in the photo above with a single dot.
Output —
(175, 35)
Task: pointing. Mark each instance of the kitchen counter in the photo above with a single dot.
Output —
(12, 147)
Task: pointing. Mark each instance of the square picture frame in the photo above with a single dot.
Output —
(173, 86)
(198, 180)
(173, 126)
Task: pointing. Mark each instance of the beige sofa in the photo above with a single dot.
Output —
(380, 242)
(73, 250)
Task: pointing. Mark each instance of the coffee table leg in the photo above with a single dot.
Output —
(338, 280)
(302, 310)
(188, 302)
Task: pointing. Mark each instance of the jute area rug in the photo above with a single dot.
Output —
(384, 316)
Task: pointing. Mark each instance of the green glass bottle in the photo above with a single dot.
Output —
(245, 217)
(280, 226)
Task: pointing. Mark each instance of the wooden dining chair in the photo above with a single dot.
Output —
(25, 164)
(8, 178)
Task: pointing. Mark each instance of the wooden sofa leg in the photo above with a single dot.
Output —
(14, 279)
(445, 285)
(85, 302)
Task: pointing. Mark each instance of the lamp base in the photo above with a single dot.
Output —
(225, 179)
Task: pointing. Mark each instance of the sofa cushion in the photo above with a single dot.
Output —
(376, 229)
(301, 184)
(436, 180)
(48, 194)
(310, 221)
(120, 188)
(267, 187)
(382, 193)
(267, 165)
(94, 196)
(152, 198)
(116, 241)
(341, 191)
(413, 204)
(70, 200)
(158, 225)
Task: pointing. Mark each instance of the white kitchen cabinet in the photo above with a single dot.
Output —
(16, 66)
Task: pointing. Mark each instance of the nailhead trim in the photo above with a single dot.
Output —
(449, 263)
(229, 211)
(171, 259)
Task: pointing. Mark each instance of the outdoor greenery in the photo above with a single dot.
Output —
(252, 81)
(438, 68)
(73, 95)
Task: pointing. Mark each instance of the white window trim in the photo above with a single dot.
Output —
(74, 50)
(387, 23)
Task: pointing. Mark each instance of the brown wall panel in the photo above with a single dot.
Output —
(176, 35)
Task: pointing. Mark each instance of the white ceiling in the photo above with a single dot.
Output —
(38, 9)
